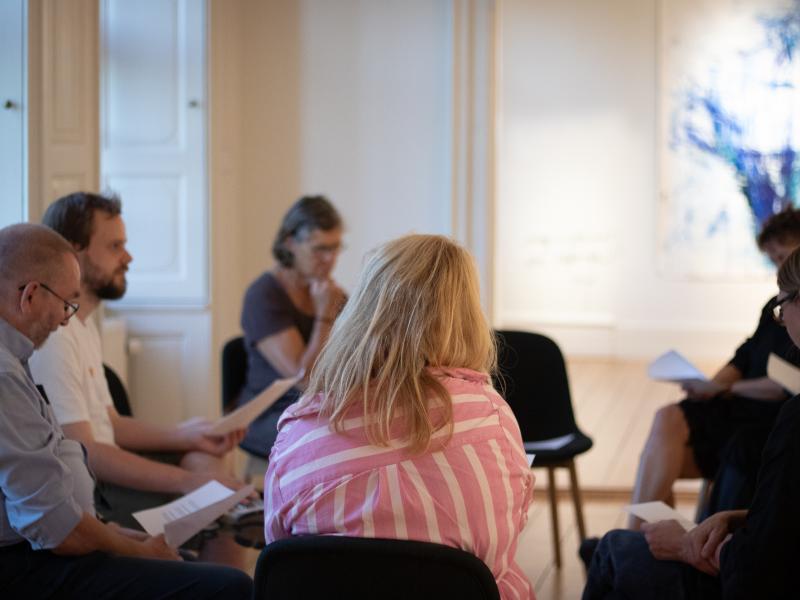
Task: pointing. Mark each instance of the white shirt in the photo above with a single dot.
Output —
(70, 368)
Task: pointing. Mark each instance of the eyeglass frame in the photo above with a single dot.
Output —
(777, 306)
(69, 307)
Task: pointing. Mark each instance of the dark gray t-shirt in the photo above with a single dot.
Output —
(267, 310)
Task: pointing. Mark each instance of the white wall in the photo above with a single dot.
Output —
(577, 191)
(350, 99)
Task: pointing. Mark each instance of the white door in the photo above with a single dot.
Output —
(12, 111)
(152, 133)
(153, 147)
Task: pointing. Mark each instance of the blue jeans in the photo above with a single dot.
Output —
(623, 568)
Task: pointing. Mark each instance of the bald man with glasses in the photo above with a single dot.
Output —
(51, 542)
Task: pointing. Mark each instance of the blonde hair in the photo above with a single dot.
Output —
(789, 272)
(416, 305)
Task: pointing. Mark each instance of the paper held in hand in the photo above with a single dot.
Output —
(672, 366)
(244, 415)
(783, 373)
(182, 518)
(653, 512)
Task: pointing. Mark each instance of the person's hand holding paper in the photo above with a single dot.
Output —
(241, 418)
(200, 434)
(701, 390)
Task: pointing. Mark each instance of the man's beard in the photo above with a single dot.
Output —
(103, 288)
(111, 291)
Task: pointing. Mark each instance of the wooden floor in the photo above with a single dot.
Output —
(535, 555)
(614, 403)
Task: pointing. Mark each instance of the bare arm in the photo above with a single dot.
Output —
(135, 434)
(287, 352)
(90, 535)
(762, 388)
(139, 435)
(115, 465)
(726, 377)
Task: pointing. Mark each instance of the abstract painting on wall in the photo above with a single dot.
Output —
(729, 95)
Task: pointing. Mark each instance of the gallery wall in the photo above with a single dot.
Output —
(578, 190)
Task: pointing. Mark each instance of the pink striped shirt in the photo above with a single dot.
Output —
(472, 493)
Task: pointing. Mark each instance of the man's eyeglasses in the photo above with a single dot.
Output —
(777, 306)
(70, 308)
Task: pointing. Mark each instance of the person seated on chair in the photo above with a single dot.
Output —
(51, 543)
(732, 555)
(686, 438)
(289, 310)
(400, 433)
(70, 368)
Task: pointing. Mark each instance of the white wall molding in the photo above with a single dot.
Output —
(63, 100)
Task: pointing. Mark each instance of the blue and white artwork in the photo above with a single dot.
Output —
(730, 131)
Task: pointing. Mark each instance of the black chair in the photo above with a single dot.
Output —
(334, 567)
(119, 394)
(532, 377)
(234, 376)
(234, 371)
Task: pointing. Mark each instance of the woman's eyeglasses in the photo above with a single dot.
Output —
(777, 306)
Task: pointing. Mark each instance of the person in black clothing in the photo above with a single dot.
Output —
(731, 555)
(688, 438)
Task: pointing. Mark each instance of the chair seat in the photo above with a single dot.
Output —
(579, 445)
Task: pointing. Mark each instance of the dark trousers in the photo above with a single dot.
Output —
(623, 568)
(29, 574)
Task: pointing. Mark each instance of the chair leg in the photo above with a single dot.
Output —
(576, 499)
(551, 488)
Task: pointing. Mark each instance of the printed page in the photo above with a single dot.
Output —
(672, 366)
(653, 512)
(180, 519)
(246, 414)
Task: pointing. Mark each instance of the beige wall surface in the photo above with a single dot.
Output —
(576, 209)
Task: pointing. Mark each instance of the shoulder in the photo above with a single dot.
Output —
(266, 288)
(61, 345)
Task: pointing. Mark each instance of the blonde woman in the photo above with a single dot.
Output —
(400, 433)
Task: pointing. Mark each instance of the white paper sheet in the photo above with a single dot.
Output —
(246, 414)
(551, 444)
(672, 366)
(180, 519)
(653, 512)
(783, 373)
(531, 458)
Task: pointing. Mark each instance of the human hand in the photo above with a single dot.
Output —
(665, 539)
(702, 541)
(156, 547)
(195, 479)
(133, 534)
(328, 298)
(701, 390)
(195, 433)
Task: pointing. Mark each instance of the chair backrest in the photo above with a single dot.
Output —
(234, 371)
(532, 377)
(118, 393)
(311, 567)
